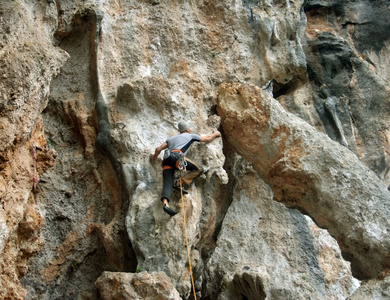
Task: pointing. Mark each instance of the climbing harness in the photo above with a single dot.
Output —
(182, 168)
(34, 152)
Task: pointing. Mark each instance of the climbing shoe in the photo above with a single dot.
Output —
(177, 187)
(169, 210)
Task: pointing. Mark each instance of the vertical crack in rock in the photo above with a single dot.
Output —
(308, 171)
(327, 107)
(82, 198)
(103, 140)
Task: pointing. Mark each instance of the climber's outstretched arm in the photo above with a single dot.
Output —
(209, 137)
(158, 150)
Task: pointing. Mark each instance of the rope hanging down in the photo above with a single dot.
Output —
(182, 170)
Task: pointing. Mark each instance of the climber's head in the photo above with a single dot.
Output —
(184, 126)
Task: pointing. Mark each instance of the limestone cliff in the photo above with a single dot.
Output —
(300, 91)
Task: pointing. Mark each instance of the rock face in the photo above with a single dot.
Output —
(136, 286)
(375, 289)
(309, 171)
(347, 60)
(28, 64)
(251, 270)
(95, 86)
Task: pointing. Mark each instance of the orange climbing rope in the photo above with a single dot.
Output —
(185, 230)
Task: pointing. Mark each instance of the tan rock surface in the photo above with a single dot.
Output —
(142, 285)
(97, 209)
(308, 171)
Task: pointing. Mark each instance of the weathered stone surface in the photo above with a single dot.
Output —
(28, 63)
(373, 289)
(157, 62)
(342, 58)
(255, 223)
(277, 28)
(159, 240)
(81, 196)
(308, 171)
(156, 285)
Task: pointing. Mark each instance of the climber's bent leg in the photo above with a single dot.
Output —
(194, 169)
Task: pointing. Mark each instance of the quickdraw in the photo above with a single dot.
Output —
(34, 152)
(182, 162)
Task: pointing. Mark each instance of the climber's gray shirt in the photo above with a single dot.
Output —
(182, 141)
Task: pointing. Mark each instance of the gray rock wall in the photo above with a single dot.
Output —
(308, 171)
(96, 208)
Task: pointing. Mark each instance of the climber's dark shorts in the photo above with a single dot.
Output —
(170, 165)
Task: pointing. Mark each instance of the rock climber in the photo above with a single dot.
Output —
(177, 146)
